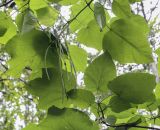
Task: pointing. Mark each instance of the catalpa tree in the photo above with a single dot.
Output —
(44, 52)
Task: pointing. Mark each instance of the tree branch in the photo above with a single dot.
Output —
(89, 6)
(130, 125)
(122, 125)
(70, 21)
(152, 9)
(143, 12)
(5, 4)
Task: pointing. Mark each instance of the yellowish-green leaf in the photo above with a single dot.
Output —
(91, 35)
(7, 28)
(29, 50)
(99, 73)
(47, 16)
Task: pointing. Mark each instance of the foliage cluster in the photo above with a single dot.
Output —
(51, 64)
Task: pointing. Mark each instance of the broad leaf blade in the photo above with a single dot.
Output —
(80, 98)
(8, 28)
(78, 57)
(121, 8)
(91, 35)
(47, 16)
(26, 21)
(64, 119)
(52, 91)
(83, 19)
(29, 50)
(127, 41)
(134, 87)
(99, 73)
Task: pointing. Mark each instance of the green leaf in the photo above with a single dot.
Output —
(121, 8)
(64, 2)
(111, 119)
(47, 16)
(34, 5)
(158, 65)
(118, 105)
(3, 30)
(64, 119)
(26, 21)
(91, 35)
(99, 73)
(133, 1)
(7, 28)
(79, 58)
(100, 15)
(157, 91)
(135, 120)
(29, 50)
(83, 18)
(22, 4)
(127, 41)
(80, 98)
(133, 87)
(52, 91)
(140, 124)
(122, 117)
(155, 121)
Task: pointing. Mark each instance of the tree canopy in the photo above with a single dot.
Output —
(46, 53)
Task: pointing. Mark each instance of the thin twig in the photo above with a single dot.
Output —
(122, 125)
(130, 126)
(70, 21)
(143, 12)
(89, 6)
(5, 4)
(152, 9)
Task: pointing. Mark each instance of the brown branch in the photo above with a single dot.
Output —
(89, 6)
(122, 125)
(152, 10)
(130, 125)
(70, 21)
(143, 12)
(5, 4)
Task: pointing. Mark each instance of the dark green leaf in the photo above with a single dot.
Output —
(127, 41)
(64, 119)
(52, 91)
(132, 88)
(2, 30)
(100, 15)
(118, 105)
(111, 119)
(81, 98)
